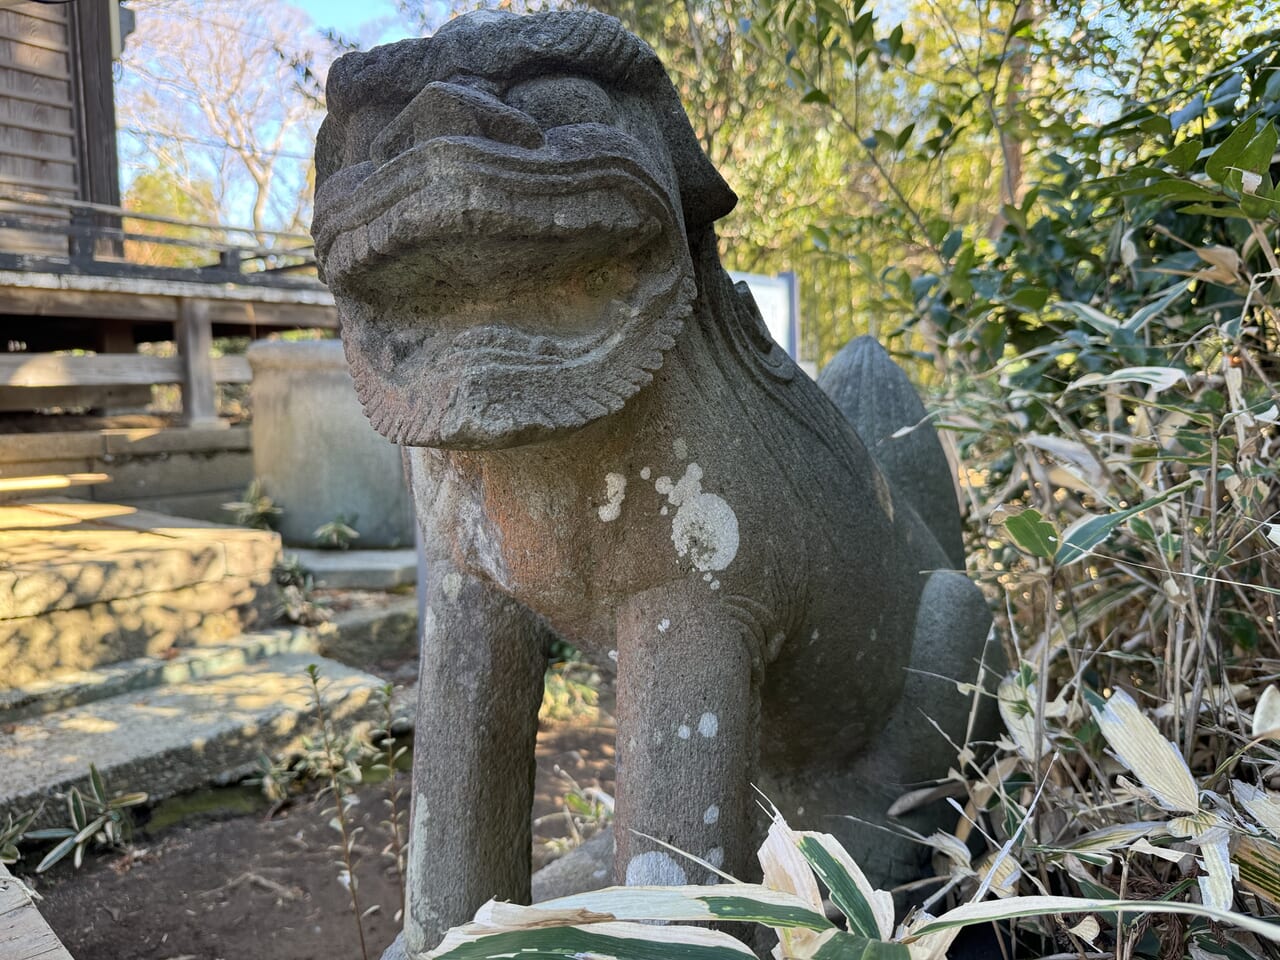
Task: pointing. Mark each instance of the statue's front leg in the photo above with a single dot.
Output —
(688, 712)
(481, 675)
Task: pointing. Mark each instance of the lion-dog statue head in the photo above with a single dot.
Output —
(535, 182)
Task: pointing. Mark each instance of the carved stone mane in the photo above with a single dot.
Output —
(606, 446)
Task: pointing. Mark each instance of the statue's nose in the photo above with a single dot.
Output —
(453, 110)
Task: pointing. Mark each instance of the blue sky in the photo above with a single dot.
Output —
(367, 21)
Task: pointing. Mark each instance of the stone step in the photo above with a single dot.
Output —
(83, 638)
(168, 739)
(63, 553)
(86, 584)
(73, 688)
(360, 569)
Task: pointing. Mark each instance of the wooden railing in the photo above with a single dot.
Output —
(48, 234)
(42, 380)
(108, 370)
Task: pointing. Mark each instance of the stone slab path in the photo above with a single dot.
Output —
(139, 642)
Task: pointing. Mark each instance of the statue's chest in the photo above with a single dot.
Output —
(573, 539)
(569, 548)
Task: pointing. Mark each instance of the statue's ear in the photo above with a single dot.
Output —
(703, 192)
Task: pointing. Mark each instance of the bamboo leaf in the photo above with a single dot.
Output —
(622, 941)
(785, 869)
(1229, 153)
(1266, 715)
(869, 911)
(1259, 863)
(1139, 746)
(1091, 315)
(972, 913)
(1087, 930)
(1112, 837)
(1032, 533)
(1216, 887)
(1158, 378)
(1089, 531)
(1262, 805)
(839, 945)
(747, 902)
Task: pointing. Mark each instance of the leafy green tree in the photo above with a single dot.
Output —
(164, 193)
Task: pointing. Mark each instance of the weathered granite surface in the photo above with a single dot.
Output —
(516, 221)
(314, 452)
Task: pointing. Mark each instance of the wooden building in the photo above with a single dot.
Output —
(73, 306)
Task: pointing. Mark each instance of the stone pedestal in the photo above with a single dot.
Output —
(315, 452)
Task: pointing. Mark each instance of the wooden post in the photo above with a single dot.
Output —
(194, 335)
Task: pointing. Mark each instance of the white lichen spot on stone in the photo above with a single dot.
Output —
(711, 815)
(705, 528)
(680, 448)
(663, 512)
(664, 625)
(707, 576)
(645, 473)
(715, 856)
(715, 584)
(683, 731)
(615, 489)
(451, 585)
(708, 725)
(613, 655)
(655, 869)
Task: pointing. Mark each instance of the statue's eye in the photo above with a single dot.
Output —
(557, 101)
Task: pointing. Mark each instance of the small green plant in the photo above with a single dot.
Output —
(587, 811)
(337, 759)
(391, 751)
(12, 833)
(338, 534)
(570, 692)
(298, 602)
(254, 508)
(276, 778)
(95, 818)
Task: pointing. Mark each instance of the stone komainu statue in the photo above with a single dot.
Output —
(516, 221)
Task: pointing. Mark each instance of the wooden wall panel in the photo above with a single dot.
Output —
(38, 124)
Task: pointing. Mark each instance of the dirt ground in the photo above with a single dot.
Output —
(245, 887)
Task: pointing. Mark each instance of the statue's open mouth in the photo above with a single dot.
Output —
(491, 242)
(516, 260)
